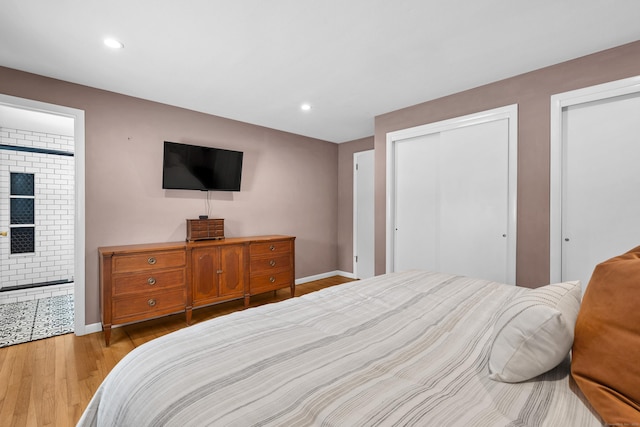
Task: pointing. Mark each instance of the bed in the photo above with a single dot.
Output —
(402, 349)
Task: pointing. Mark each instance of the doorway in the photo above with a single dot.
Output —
(451, 196)
(42, 200)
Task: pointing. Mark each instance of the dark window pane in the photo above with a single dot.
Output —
(22, 211)
(23, 240)
(22, 184)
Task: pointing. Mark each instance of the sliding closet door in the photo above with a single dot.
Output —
(473, 201)
(601, 163)
(451, 201)
(416, 210)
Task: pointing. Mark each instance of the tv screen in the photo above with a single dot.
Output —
(192, 167)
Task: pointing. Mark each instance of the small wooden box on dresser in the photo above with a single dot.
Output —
(141, 282)
(205, 229)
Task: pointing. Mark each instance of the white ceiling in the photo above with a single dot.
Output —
(37, 121)
(257, 61)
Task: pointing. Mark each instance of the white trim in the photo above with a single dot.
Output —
(97, 327)
(356, 155)
(509, 112)
(79, 156)
(324, 276)
(355, 215)
(559, 102)
(94, 327)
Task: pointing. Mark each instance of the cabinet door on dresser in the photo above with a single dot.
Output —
(218, 273)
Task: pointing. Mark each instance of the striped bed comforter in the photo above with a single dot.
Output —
(396, 350)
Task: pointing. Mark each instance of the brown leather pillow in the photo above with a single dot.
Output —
(606, 349)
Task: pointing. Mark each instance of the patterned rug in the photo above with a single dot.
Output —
(34, 320)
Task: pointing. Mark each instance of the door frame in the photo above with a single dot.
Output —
(79, 184)
(509, 112)
(556, 158)
(356, 155)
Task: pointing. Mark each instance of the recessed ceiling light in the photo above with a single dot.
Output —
(305, 107)
(113, 43)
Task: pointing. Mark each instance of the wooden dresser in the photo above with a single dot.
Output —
(141, 282)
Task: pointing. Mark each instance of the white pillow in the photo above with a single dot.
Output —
(534, 333)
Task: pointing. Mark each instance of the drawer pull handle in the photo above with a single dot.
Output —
(151, 302)
(272, 263)
(151, 281)
(151, 260)
(272, 248)
(272, 279)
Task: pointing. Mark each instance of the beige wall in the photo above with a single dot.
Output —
(288, 187)
(532, 92)
(345, 199)
(290, 182)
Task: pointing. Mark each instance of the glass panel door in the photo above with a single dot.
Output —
(22, 213)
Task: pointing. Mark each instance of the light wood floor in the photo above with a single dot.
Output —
(50, 382)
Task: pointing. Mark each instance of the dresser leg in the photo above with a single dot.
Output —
(293, 289)
(107, 334)
(187, 313)
(247, 299)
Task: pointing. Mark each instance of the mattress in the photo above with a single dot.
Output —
(403, 349)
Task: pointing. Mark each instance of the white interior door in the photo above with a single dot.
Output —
(363, 212)
(600, 181)
(451, 196)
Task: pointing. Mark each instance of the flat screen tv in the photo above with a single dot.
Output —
(192, 167)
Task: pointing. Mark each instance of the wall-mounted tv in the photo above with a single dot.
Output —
(193, 167)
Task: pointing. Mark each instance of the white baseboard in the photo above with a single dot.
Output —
(324, 276)
(97, 327)
(90, 329)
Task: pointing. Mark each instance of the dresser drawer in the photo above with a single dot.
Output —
(205, 234)
(271, 264)
(148, 305)
(148, 261)
(266, 248)
(148, 281)
(269, 282)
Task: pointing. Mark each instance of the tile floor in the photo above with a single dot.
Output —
(36, 319)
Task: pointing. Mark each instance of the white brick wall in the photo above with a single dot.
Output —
(35, 293)
(54, 210)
